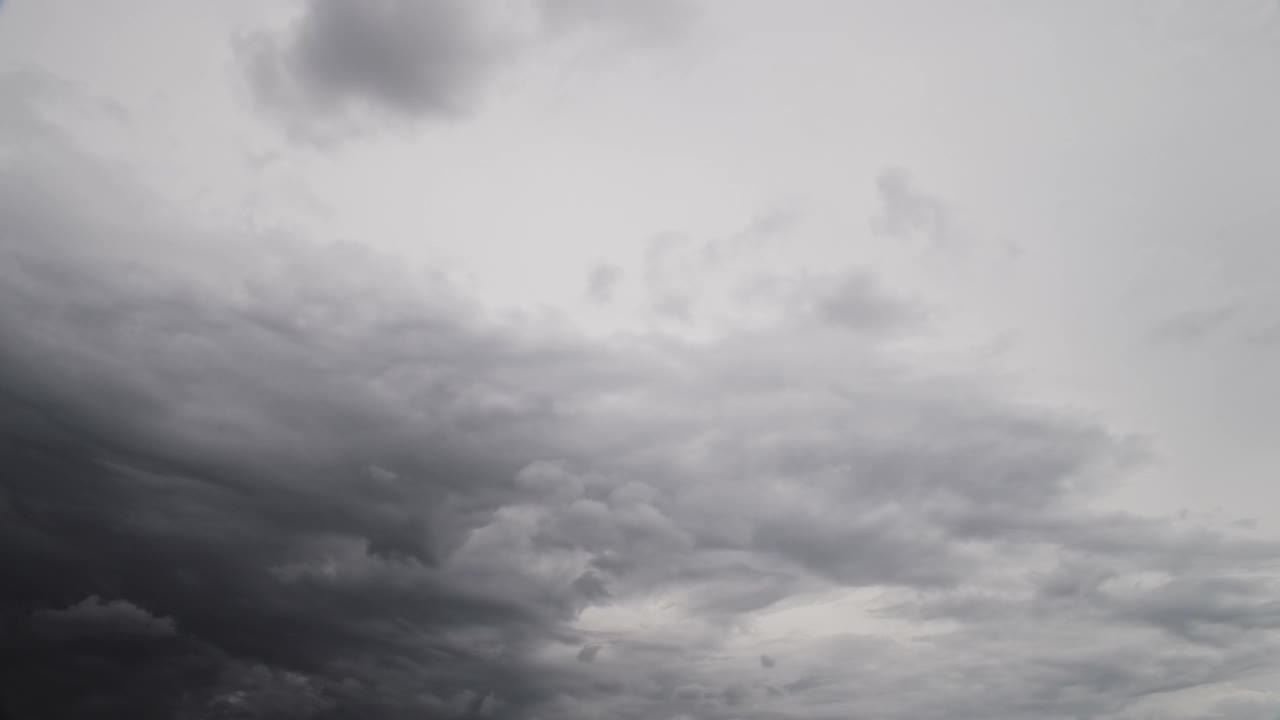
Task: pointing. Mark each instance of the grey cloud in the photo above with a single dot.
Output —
(767, 226)
(588, 653)
(323, 485)
(342, 63)
(1246, 706)
(91, 616)
(602, 282)
(1211, 609)
(647, 23)
(419, 57)
(882, 548)
(760, 232)
(674, 265)
(187, 445)
(259, 691)
(1194, 325)
(907, 212)
(1266, 337)
(854, 301)
(679, 270)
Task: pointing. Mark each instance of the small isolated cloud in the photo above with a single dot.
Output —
(908, 212)
(403, 57)
(1194, 325)
(602, 282)
(344, 62)
(92, 616)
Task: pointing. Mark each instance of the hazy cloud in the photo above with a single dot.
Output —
(342, 62)
(1267, 336)
(647, 23)
(855, 301)
(602, 281)
(411, 57)
(906, 212)
(1194, 325)
(588, 653)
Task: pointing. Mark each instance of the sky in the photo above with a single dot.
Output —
(662, 359)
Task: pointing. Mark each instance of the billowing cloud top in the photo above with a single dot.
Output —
(265, 473)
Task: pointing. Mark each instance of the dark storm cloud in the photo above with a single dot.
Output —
(206, 454)
(273, 478)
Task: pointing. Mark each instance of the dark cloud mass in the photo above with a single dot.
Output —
(266, 477)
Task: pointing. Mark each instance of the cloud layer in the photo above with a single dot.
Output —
(281, 477)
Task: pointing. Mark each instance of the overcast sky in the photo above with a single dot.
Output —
(640, 359)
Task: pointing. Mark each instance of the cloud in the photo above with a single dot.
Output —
(413, 58)
(674, 268)
(91, 616)
(1194, 325)
(341, 64)
(298, 479)
(645, 24)
(603, 281)
(855, 301)
(588, 653)
(1267, 336)
(906, 212)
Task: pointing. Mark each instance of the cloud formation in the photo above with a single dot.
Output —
(91, 616)
(907, 212)
(277, 477)
(341, 63)
(420, 57)
(603, 281)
